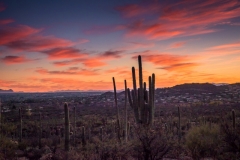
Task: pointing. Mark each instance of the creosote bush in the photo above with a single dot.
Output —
(203, 141)
(149, 144)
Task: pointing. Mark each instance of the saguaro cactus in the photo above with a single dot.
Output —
(67, 127)
(233, 119)
(140, 100)
(74, 126)
(179, 125)
(116, 104)
(83, 136)
(0, 117)
(126, 118)
(20, 125)
(40, 131)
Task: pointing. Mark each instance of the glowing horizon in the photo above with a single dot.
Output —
(49, 46)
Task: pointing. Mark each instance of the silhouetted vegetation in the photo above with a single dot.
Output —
(142, 126)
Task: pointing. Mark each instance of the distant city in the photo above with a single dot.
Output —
(179, 95)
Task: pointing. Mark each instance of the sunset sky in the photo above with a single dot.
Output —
(49, 45)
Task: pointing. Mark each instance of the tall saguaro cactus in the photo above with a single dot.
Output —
(0, 116)
(20, 124)
(74, 126)
(126, 118)
(116, 104)
(67, 127)
(40, 131)
(179, 125)
(233, 119)
(141, 100)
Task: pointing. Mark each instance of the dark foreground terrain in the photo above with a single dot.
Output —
(191, 121)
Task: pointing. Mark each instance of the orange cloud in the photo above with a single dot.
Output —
(94, 60)
(120, 71)
(226, 46)
(177, 44)
(88, 62)
(162, 58)
(70, 71)
(180, 67)
(15, 59)
(169, 62)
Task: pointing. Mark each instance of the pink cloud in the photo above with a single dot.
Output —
(6, 21)
(64, 53)
(10, 34)
(15, 59)
(110, 54)
(2, 7)
(177, 44)
(97, 60)
(25, 38)
(38, 43)
(179, 19)
(81, 41)
(169, 62)
(180, 67)
(70, 71)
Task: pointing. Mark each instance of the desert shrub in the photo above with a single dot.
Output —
(23, 145)
(8, 128)
(112, 150)
(231, 141)
(203, 141)
(149, 144)
(7, 148)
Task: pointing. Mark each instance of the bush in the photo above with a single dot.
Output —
(7, 148)
(149, 145)
(203, 141)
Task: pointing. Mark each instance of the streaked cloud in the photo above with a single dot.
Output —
(64, 53)
(97, 60)
(15, 59)
(38, 43)
(6, 21)
(70, 71)
(175, 20)
(177, 44)
(2, 7)
(10, 34)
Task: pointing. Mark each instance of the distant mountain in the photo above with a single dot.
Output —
(195, 86)
(220, 84)
(68, 91)
(6, 91)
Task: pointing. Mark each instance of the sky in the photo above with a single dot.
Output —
(80, 45)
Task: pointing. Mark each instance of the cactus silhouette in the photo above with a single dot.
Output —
(20, 125)
(179, 125)
(74, 126)
(233, 119)
(67, 127)
(83, 136)
(40, 131)
(116, 104)
(141, 101)
(126, 118)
